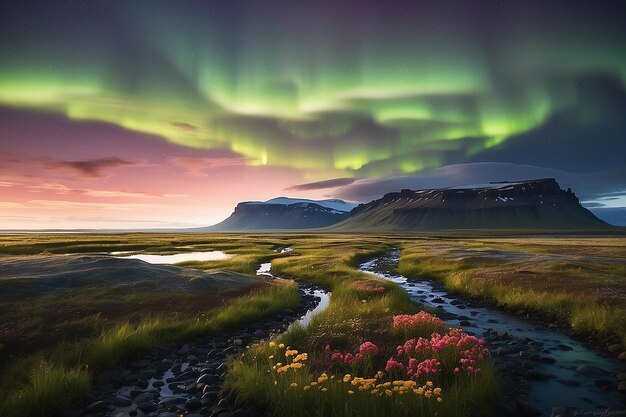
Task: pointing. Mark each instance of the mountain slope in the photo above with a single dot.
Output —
(335, 204)
(533, 204)
(270, 216)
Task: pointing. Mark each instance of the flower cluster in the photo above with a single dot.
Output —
(411, 322)
(293, 359)
(363, 354)
(423, 356)
(369, 288)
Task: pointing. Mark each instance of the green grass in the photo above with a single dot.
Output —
(33, 387)
(568, 291)
(350, 319)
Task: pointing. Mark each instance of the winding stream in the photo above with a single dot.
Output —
(545, 368)
(183, 380)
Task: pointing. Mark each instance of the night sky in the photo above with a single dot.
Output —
(133, 114)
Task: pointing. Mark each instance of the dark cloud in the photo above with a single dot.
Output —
(588, 186)
(319, 185)
(94, 168)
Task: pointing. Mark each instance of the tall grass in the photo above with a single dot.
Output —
(40, 387)
(351, 318)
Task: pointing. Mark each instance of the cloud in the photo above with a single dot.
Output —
(196, 166)
(319, 185)
(64, 189)
(588, 186)
(94, 168)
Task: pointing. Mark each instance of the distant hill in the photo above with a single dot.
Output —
(284, 213)
(532, 204)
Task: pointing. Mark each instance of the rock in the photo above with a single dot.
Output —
(621, 387)
(144, 398)
(569, 382)
(259, 333)
(438, 300)
(604, 384)
(502, 350)
(184, 349)
(565, 347)
(168, 414)
(238, 342)
(614, 348)
(504, 335)
(97, 407)
(535, 375)
(591, 371)
(465, 323)
(167, 401)
(560, 411)
(622, 356)
(147, 407)
(527, 410)
(193, 404)
(621, 376)
(120, 401)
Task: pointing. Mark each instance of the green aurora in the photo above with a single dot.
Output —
(334, 92)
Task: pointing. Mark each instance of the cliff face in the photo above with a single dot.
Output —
(267, 216)
(533, 204)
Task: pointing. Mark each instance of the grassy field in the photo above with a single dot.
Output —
(52, 345)
(579, 282)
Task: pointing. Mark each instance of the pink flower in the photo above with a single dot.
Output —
(368, 348)
(347, 358)
(336, 356)
(393, 365)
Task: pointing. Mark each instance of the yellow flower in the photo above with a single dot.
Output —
(322, 378)
(271, 356)
(374, 392)
(428, 394)
(437, 391)
(275, 382)
(350, 392)
(388, 392)
(386, 310)
(379, 374)
(429, 384)
(347, 377)
(272, 344)
(281, 346)
(293, 385)
(439, 399)
(289, 353)
(364, 301)
(313, 383)
(306, 387)
(324, 389)
(297, 365)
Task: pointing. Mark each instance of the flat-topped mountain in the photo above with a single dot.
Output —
(284, 213)
(532, 204)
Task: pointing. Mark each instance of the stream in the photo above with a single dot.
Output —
(543, 372)
(186, 379)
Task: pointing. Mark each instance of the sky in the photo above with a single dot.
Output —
(157, 114)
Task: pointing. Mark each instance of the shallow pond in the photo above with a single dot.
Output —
(215, 255)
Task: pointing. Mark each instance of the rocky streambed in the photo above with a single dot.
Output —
(186, 379)
(543, 372)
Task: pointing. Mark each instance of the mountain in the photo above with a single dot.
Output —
(335, 204)
(532, 204)
(284, 213)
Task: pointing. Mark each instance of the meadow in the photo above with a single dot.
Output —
(348, 357)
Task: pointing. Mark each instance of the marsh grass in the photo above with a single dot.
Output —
(571, 297)
(351, 318)
(37, 385)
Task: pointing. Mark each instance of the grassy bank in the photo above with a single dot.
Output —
(297, 375)
(579, 282)
(46, 383)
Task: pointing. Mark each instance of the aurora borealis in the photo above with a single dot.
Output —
(185, 108)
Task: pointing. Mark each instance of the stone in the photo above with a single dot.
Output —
(535, 375)
(614, 348)
(238, 342)
(591, 371)
(621, 387)
(527, 410)
(193, 404)
(259, 333)
(604, 384)
(184, 349)
(143, 398)
(565, 347)
(622, 356)
(147, 407)
(120, 401)
(97, 407)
